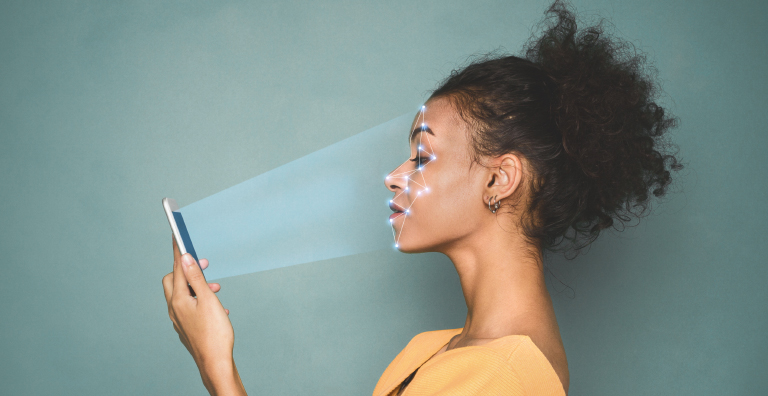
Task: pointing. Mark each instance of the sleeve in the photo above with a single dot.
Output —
(534, 370)
(391, 368)
(484, 372)
(516, 368)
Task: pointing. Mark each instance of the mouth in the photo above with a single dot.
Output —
(397, 209)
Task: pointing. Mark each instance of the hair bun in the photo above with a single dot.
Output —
(603, 105)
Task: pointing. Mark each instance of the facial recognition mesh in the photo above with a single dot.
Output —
(413, 177)
(328, 204)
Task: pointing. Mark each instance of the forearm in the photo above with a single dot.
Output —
(222, 379)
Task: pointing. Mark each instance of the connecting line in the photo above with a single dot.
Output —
(407, 176)
(397, 242)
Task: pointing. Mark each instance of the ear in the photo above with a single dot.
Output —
(503, 177)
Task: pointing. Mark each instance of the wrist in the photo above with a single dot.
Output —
(220, 377)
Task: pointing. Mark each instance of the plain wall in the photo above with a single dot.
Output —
(106, 107)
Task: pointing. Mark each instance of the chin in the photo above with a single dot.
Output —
(408, 246)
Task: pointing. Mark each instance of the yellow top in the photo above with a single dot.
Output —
(509, 366)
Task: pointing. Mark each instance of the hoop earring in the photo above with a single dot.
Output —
(495, 206)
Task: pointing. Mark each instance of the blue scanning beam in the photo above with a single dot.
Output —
(331, 203)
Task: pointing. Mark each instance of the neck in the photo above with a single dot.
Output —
(503, 285)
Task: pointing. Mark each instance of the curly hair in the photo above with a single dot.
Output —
(579, 106)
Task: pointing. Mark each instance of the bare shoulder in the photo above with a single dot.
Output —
(551, 346)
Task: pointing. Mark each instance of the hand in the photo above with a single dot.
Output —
(202, 322)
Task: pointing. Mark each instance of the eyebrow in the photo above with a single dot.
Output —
(420, 129)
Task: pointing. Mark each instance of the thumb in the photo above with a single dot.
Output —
(194, 275)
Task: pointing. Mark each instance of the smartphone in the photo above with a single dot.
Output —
(179, 229)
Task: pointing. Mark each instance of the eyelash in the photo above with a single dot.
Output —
(420, 160)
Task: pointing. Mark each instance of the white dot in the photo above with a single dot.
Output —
(396, 245)
(427, 189)
(407, 211)
(433, 157)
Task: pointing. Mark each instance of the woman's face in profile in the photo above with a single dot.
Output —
(437, 197)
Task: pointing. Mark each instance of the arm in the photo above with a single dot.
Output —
(202, 324)
(223, 379)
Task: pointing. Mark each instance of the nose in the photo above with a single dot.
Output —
(396, 180)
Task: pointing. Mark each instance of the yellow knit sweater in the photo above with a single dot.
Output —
(509, 366)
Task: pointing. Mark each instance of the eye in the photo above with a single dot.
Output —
(420, 160)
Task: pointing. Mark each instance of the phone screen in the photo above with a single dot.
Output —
(185, 235)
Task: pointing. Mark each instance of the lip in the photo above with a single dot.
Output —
(395, 207)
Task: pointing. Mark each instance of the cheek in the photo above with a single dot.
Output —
(449, 198)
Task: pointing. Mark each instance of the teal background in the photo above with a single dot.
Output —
(107, 107)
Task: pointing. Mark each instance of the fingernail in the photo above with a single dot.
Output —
(187, 259)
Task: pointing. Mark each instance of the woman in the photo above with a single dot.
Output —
(511, 157)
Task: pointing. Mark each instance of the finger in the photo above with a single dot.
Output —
(176, 252)
(195, 276)
(168, 286)
(179, 279)
(215, 287)
(204, 263)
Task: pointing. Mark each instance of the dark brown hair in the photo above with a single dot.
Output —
(579, 106)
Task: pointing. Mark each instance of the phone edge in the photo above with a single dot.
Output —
(167, 202)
